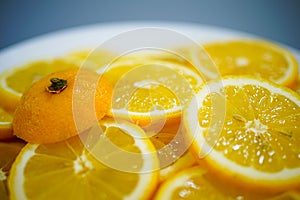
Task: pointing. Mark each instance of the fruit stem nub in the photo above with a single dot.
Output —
(57, 85)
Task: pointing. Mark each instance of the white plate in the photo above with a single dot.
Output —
(61, 42)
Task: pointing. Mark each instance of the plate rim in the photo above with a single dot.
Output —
(109, 29)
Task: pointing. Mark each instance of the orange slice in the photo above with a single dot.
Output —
(8, 152)
(14, 82)
(196, 184)
(5, 125)
(150, 90)
(67, 170)
(298, 85)
(259, 58)
(91, 59)
(248, 131)
(172, 154)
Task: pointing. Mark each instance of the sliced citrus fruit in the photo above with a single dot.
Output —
(172, 153)
(248, 131)
(5, 125)
(196, 183)
(183, 162)
(298, 85)
(14, 82)
(259, 58)
(197, 57)
(67, 170)
(8, 152)
(91, 59)
(150, 90)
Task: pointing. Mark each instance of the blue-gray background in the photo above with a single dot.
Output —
(277, 20)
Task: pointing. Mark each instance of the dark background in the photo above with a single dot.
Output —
(277, 20)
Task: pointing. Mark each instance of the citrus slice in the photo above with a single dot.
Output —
(5, 125)
(183, 162)
(8, 152)
(298, 85)
(254, 57)
(91, 59)
(199, 58)
(248, 131)
(150, 90)
(14, 82)
(172, 154)
(67, 170)
(196, 183)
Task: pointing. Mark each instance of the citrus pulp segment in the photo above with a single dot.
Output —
(149, 90)
(67, 170)
(248, 131)
(91, 59)
(15, 81)
(8, 152)
(258, 58)
(196, 183)
(6, 131)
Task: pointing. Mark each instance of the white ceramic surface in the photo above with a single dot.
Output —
(59, 43)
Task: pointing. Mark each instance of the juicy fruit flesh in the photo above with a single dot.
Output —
(5, 117)
(75, 168)
(8, 152)
(82, 172)
(24, 77)
(261, 129)
(196, 183)
(153, 88)
(257, 59)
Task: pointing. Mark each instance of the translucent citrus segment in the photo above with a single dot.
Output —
(248, 131)
(14, 82)
(197, 57)
(183, 162)
(172, 153)
(8, 152)
(297, 88)
(196, 183)
(91, 59)
(259, 58)
(6, 131)
(150, 89)
(67, 170)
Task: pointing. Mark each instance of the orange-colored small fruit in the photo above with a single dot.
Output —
(52, 114)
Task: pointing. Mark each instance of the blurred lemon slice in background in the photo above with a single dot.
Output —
(258, 58)
(14, 81)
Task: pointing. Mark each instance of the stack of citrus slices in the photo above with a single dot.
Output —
(153, 125)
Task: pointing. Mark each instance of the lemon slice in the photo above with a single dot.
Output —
(67, 170)
(91, 59)
(196, 183)
(149, 89)
(248, 131)
(297, 89)
(14, 82)
(259, 58)
(8, 152)
(5, 125)
(172, 154)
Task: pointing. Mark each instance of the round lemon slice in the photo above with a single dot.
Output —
(15, 81)
(258, 58)
(67, 170)
(248, 131)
